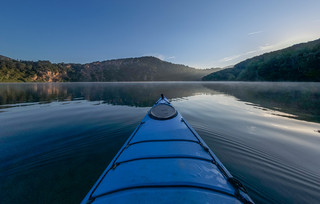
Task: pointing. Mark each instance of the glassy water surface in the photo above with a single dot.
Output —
(57, 138)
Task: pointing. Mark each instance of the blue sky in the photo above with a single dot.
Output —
(201, 34)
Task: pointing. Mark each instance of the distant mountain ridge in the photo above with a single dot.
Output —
(128, 69)
(299, 62)
(4, 58)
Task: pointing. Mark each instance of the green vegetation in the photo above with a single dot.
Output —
(130, 69)
(25, 71)
(297, 63)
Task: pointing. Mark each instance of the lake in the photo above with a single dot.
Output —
(57, 138)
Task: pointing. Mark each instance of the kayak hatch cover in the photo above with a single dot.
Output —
(166, 161)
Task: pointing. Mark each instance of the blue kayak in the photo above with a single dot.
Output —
(166, 161)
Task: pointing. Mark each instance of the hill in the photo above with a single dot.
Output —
(4, 58)
(129, 69)
(300, 62)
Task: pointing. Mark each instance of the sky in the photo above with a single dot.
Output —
(201, 34)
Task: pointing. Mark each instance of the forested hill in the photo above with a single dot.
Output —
(129, 69)
(300, 62)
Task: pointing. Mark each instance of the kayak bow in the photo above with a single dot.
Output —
(166, 161)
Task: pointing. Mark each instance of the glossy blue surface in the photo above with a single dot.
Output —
(167, 195)
(165, 161)
(163, 130)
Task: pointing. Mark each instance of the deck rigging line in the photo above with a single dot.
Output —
(171, 114)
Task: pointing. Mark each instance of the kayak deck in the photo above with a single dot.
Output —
(165, 160)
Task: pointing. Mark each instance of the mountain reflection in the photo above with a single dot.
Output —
(299, 99)
(131, 94)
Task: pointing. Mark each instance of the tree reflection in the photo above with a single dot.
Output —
(299, 99)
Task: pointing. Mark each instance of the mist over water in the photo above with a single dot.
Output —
(57, 138)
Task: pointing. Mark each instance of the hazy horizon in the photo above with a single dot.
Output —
(201, 35)
(227, 66)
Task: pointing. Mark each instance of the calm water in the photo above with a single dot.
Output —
(56, 139)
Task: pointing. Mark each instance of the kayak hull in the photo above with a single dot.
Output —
(166, 161)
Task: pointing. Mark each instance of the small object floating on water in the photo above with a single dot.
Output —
(166, 161)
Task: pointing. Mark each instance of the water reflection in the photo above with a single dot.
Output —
(131, 94)
(297, 100)
(301, 100)
(56, 139)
